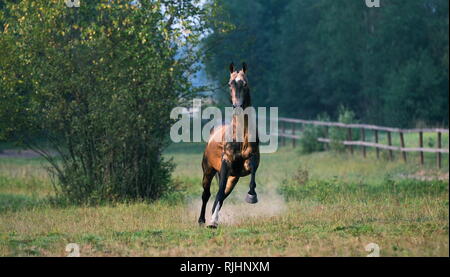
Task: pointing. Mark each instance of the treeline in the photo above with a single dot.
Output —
(389, 64)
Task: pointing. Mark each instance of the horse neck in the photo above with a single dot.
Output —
(236, 124)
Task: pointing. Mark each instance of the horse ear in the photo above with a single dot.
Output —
(244, 67)
(231, 67)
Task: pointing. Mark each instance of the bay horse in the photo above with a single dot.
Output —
(230, 160)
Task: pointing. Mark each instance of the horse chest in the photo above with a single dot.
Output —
(234, 154)
(240, 168)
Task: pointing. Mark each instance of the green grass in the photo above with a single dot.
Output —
(321, 204)
(412, 139)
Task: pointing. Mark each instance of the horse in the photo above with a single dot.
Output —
(230, 160)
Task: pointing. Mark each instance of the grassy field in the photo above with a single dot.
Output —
(322, 204)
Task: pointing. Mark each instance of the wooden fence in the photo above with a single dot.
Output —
(377, 130)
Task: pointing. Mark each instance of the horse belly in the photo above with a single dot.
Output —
(214, 149)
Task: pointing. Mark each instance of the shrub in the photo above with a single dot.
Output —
(338, 134)
(98, 82)
(310, 134)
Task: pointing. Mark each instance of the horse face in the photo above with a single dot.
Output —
(239, 92)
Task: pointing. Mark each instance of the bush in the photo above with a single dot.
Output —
(309, 142)
(310, 134)
(338, 134)
(98, 82)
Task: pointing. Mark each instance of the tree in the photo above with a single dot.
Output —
(243, 31)
(98, 83)
(388, 64)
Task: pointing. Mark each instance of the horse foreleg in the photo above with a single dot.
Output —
(231, 183)
(251, 197)
(221, 195)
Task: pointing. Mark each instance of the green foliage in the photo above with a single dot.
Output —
(337, 134)
(309, 142)
(97, 83)
(390, 64)
(310, 134)
(243, 31)
(12, 202)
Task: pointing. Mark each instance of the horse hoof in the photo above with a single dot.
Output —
(213, 225)
(201, 223)
(251, 199)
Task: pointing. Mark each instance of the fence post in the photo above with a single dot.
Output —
(391, 156)
(376, 141)
(421, 146)
(283, 125)
(327, 145)
(402, 143)
(293, 133)
(350, 136)
(363, 137)
(439, 155)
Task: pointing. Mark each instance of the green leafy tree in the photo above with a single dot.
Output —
(97, 84)
(388, 64)
(243, 31)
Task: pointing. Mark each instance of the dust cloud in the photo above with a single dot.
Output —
(235, 210)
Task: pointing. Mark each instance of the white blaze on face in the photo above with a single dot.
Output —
(215, 216)
(238, 95)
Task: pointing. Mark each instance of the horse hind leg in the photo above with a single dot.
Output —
(208, 175)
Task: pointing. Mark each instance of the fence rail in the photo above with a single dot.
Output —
(439, 150)
(363, 126)
(387, 147)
